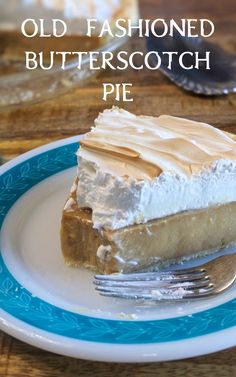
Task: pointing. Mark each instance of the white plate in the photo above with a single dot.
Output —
(54, 307)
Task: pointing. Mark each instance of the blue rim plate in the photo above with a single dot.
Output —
(42, 324)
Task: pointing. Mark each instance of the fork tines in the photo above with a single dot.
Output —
(155, 286)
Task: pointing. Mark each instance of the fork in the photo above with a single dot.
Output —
(219, 80)
(205, 280)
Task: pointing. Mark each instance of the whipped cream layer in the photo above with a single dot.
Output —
(133, 169)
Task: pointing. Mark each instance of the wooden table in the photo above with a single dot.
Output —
(73, 113)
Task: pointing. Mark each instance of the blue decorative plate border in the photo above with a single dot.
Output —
(17, 301)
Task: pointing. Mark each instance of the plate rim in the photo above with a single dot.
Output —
(106, 352)
(5, 322)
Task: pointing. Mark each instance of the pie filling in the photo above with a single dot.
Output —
(171, 239)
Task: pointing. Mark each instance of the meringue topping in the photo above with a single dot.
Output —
(136, 168)
(168, 143)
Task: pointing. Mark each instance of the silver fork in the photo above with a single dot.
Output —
(205, 280)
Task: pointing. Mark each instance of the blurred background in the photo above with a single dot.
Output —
(74, 97)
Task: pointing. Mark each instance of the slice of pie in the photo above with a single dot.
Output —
(149, 190)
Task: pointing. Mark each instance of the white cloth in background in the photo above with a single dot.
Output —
(99, 9)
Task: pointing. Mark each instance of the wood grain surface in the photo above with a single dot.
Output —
(73, 113)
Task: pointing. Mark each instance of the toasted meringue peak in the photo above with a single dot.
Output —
(140, 143)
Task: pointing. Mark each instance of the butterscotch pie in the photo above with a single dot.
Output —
(149, 190)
